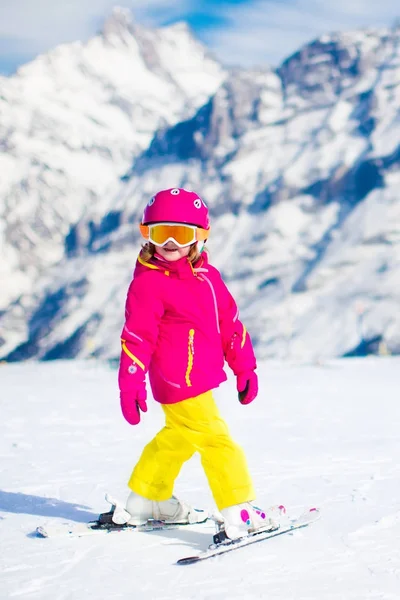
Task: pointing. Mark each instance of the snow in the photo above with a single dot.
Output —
(318, 435)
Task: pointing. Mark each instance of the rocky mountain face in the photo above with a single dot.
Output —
(299, 165)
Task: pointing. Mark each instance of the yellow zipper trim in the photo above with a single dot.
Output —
(150, 266)
(243, 336)
(190, 357)
(132, 356)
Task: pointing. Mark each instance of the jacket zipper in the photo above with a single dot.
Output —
(190, 357)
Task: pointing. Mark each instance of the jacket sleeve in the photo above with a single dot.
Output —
(236, 341)
(143, 311)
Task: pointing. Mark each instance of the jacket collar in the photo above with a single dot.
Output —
(181, 269)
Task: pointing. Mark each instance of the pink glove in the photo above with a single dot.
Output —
(132, 403)
(247, 386)
(132, 385)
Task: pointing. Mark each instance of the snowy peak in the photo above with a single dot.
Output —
(118, 24)
(170, 52)
(324, 69)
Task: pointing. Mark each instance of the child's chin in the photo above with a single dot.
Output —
(171, 255)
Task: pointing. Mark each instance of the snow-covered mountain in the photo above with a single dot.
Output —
(71, 123)
(300, 167)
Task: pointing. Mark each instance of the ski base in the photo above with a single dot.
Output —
(306, 518)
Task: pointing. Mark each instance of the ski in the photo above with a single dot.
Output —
(105, 524)
(306, 518)
(73, 530)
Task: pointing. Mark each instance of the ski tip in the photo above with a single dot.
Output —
(188, 560)
(314, 514)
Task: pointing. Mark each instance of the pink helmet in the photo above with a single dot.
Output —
(176, 205)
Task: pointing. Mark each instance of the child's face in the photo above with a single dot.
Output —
(172, 252)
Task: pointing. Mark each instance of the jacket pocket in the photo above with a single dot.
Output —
(190, 358)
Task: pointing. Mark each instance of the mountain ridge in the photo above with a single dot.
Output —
(300, 168)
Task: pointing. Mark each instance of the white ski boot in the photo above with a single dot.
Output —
(139, 510)
(242, 519)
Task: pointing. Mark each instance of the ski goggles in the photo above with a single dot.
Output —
(182, 235)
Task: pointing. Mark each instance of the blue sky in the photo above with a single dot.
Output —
(244, 32)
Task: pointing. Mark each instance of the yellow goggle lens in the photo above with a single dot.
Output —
(183, 235)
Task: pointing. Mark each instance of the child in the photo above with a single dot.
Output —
(181, 325)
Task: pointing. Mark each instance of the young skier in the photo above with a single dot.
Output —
(181, 326)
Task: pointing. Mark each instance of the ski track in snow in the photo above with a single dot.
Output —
(318, 435)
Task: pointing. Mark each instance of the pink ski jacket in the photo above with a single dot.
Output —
(181, 325)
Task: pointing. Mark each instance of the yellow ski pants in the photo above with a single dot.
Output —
(193, 425)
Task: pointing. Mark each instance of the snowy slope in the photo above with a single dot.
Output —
(322, 435)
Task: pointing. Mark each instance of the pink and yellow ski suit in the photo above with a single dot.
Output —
(181, 326)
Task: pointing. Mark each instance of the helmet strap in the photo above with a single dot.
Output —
(200, 246)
